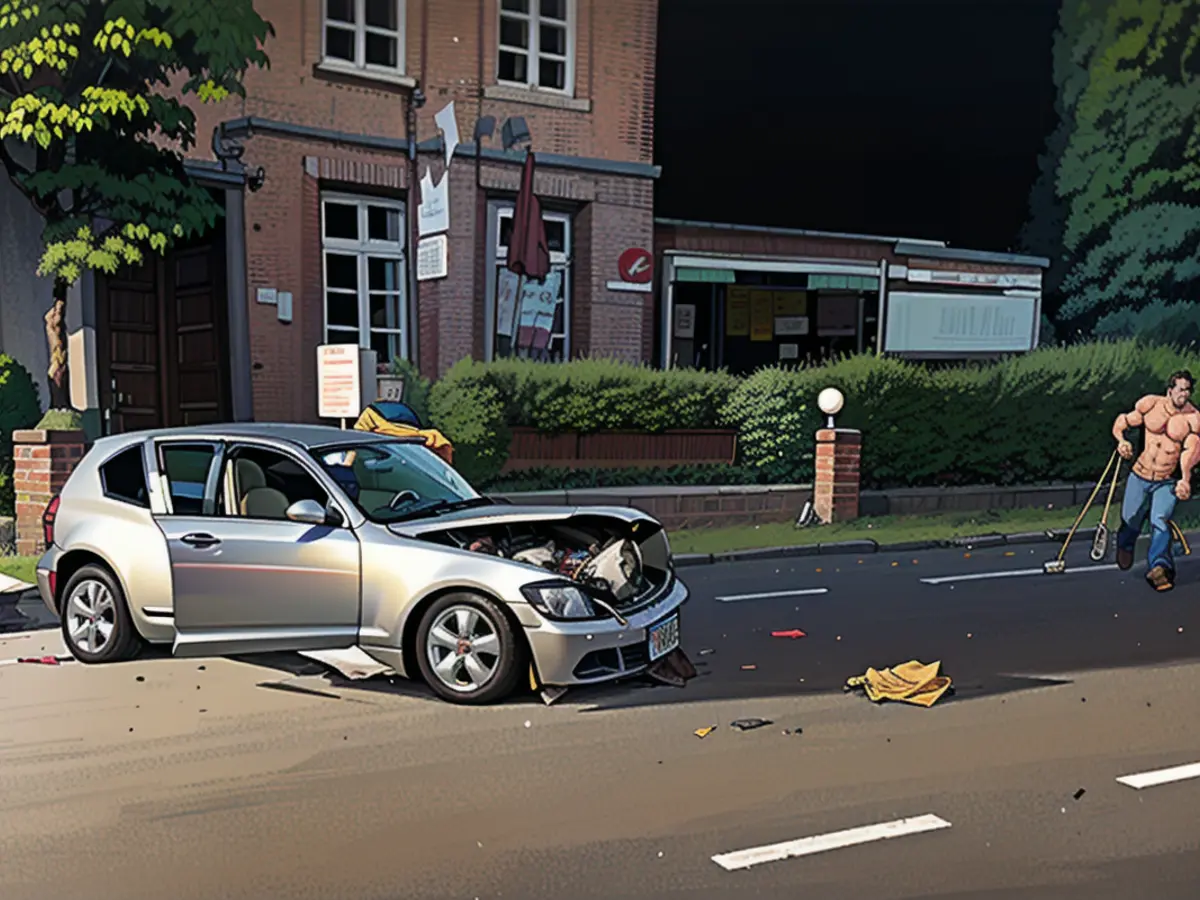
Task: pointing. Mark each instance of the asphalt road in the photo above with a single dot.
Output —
(195, 782)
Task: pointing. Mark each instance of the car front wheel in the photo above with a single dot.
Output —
(96, 624)
(467, 650)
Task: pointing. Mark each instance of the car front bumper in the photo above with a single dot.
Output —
(576, 653)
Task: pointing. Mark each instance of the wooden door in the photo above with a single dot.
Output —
(128, 319)
(162, 340)
(197, 380)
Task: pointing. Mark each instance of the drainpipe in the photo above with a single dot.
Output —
(414, 232)
(241, 389)
(881, 318)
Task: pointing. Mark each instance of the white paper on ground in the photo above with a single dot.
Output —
(353, 662)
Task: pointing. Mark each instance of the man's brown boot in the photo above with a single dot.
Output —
(1124, 559)
(1160, 579)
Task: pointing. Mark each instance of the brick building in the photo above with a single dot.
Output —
(328, 123)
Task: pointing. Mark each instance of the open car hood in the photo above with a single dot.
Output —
(501, 514)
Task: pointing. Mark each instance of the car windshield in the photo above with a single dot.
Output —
(394, 480)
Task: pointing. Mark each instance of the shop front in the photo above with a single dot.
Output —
(739, 297)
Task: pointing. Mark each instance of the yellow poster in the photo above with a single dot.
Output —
(790, 303)
(762, 316)
(737, 312)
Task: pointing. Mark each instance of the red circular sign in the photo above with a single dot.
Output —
(636, 266)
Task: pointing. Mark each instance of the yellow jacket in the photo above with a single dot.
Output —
(370, 420)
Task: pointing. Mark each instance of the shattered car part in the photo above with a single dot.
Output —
(750, 724)
(674, 669)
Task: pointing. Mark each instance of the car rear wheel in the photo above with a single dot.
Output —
(467, 650)
(96, 624)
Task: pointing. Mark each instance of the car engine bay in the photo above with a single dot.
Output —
(593, 553)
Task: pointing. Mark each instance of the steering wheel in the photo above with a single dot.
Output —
(405, 496)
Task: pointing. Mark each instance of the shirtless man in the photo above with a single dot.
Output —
(1172, 429)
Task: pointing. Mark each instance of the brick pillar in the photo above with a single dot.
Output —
(42, 462)
(835, 487)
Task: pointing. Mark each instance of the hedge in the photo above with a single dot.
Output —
(1044, 416)
(19, 408)
(561, 479)
(476, 404)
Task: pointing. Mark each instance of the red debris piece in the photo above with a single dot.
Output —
(43, 660)
(793, 634)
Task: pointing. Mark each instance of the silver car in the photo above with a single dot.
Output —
(236, 539)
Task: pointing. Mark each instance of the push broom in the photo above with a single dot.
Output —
(1058, 565)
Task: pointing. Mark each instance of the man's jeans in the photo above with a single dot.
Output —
(1156, 499)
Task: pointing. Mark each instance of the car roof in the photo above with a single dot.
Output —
(306, 436)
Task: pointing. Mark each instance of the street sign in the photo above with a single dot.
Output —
(339, 382)
(636, 266)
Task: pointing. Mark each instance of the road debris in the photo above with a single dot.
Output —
(551, 694)
(707, 651)
(793, 634)
(44, 660)
(912, 682)
(140, 678)
(749, 668)
(750, 724)
(352, 662)
(528, 724)
(674, 669)
(793, 731)
(1079, 793)
(704, 732)
(297, 689)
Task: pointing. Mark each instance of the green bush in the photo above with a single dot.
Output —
(476, 404)
(1176, 324)
(1044, 416)
(19, 408)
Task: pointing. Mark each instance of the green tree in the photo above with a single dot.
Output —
(1129, 173)
(1076, 40)
(94, 124)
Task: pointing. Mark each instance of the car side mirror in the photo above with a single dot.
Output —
(310, 512)
(333, 516)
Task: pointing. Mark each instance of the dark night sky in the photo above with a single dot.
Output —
(909, 118)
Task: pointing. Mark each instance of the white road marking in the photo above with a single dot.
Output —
(807, 592)
(1014, 573)
(744, 859)
(1161, 776)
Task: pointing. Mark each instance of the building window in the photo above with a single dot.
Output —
(537, 44)
(364, 34)
(364, 271)
(532, 320)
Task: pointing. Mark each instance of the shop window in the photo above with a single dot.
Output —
(364, 273)
(531, 320)
(364, 34)
(537, 44)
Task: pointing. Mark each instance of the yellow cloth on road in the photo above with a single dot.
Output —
(370, 420)
(912, 682)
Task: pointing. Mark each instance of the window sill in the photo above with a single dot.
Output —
(551, 99)
(368, 77)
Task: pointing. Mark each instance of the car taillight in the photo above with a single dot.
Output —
(48, 520)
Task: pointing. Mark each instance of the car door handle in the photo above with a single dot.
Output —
(200, 539)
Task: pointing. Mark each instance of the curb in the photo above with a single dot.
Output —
(844, 548)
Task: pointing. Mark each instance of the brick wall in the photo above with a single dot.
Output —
(717, 240)
(609, 116)
(42, 462)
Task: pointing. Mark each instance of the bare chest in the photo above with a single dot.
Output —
(1175, 426)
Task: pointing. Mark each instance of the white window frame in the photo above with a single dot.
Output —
(561, 260)
(361, 29)
(365, 248)
(534, 51)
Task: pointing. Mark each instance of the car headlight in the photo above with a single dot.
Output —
(560, 601)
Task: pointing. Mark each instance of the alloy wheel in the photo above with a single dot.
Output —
(91, 616)
(463, 649)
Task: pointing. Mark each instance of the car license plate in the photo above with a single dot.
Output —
(664, 637)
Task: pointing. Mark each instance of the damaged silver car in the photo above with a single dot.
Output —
(241, 539)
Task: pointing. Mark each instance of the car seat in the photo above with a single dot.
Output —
(257, 500)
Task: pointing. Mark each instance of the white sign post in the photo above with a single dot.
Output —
(339, 382)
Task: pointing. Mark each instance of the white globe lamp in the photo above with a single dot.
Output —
(830, 401)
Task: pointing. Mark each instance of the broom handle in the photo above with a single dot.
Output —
(1083, 512)
(1112, 489)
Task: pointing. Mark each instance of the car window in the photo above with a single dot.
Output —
(262, 484)
(123, 477)
(186, 467)
(391, 480)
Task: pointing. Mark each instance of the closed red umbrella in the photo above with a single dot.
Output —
(528, 253)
